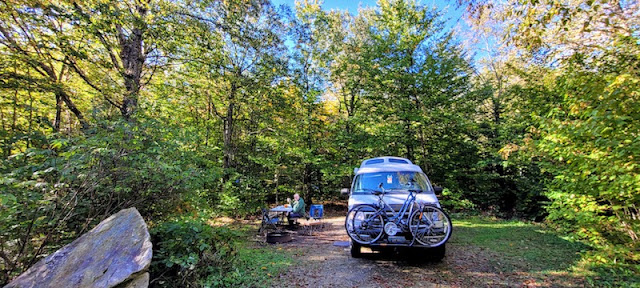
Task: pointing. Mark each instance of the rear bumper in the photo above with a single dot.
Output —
(387, 242)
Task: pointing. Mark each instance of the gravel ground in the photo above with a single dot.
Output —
(323, 264)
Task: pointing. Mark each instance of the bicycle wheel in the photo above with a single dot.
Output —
(430, 226)
(363, 224)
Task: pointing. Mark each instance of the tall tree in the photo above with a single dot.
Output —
(124, 35)
(247, 58)
(576, 80)
(29, 34)
(418, 73)
(308, 72)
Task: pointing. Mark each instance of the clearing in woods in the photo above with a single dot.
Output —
(482, 252)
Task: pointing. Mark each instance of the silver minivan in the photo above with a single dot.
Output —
(393, 204)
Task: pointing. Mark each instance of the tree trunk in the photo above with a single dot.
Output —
(228, 130)
(306, 179)
(408, 139)
(423, 145)
(4, 128)
(208, 119)
(351, 110)
(72, 107)
(14, 116)
(133, 59)
(496, 113)
(4, 125)
(56, 121)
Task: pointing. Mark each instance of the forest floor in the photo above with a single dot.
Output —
(482, 252)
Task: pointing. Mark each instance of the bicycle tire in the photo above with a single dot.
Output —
(363, 224)
(430, 226)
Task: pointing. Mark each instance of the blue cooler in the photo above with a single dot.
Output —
(316, 211)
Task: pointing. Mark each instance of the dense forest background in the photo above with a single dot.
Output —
(221, 107)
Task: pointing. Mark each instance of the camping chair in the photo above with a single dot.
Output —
(268, 221)
(316, 213)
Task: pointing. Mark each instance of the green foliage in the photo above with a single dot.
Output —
(220, 107)
(257, 267)
(52, 195)
(402, 88)
(188, 252)
(581, 98)
(589, 141)
(235, 199)
(454, 202)
(566, 95)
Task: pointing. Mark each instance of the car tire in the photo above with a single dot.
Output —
(356, 251)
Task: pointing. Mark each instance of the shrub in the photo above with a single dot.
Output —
(53, 193)
(187, 251)
(454, 202)
(190, 253)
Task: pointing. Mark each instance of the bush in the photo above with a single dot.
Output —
(187, 251)
(53, 193)
(453, 202)
(190, 253)
(589, 143)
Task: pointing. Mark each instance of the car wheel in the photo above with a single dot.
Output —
(355, 250)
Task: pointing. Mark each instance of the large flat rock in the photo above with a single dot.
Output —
(113, 252)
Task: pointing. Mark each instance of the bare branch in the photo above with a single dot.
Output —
(113, 57)
(86, 79)
(153, 71)
(261, 131)
(37, 65)
(30, 39)
(103, 40)
(215, 110)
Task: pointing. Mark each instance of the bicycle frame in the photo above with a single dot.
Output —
(397, 216)
(400, 219)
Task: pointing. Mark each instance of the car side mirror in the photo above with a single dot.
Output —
(344, 191)
(437, 190)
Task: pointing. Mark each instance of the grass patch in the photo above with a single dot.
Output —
(521, 246)
(253, 267)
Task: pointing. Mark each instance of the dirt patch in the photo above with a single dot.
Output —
(323, 264)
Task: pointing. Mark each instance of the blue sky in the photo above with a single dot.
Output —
(453, 14)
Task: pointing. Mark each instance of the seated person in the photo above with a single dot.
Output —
(298, 208)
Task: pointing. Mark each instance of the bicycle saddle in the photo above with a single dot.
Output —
(377, 193)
